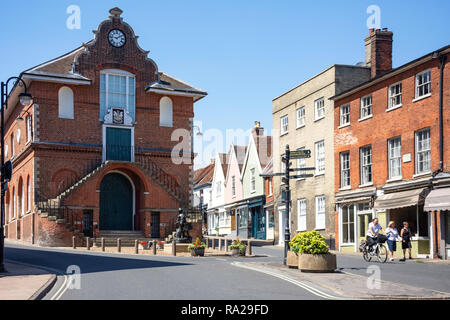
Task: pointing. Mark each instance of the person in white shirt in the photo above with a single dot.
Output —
(393, 237)
(372, 232)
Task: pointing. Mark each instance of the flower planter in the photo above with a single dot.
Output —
(238, 252)
(198, 252)
(317, 262)
(160, 246)
(292, 260)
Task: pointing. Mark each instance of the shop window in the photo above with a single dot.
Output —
(348, 224)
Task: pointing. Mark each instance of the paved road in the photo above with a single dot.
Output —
(109, 276)
(435, 276)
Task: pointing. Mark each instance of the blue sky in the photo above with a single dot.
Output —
(244, 53)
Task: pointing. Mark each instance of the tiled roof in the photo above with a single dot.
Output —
(240, 152)
(269, 168)
(204, 175)
(265, 150)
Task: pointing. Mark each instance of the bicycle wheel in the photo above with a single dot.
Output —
(367, 256)
(382, 254)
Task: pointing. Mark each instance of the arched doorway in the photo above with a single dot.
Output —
(116, 202)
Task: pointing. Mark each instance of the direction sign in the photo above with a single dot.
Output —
(285, 181)
(272, 175)
(301, 154)
(302, 169)
(303, 176)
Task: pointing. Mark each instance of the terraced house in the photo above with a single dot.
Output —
(303, 119)
(392, 151)
(93, 155)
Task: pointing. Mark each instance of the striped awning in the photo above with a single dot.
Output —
(401, 199)
(438, 200)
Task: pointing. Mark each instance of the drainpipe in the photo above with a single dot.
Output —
(443, 59)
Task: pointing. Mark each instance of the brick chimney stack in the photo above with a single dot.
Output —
(379, 51)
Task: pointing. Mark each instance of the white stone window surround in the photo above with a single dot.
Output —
(118, 73)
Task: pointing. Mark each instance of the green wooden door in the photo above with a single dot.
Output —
(118, 144)
(116, 203)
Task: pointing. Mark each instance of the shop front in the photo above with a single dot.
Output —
(437, 204)
(270, 218)
(407, 206)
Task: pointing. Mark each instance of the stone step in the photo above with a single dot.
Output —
(111, 242)
(122, 234)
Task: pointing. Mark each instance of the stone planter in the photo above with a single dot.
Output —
(292, 260)
(317, 262)
(160, 246)
(238, 252)
(198, 252)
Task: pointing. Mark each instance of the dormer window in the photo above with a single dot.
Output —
(117, 90)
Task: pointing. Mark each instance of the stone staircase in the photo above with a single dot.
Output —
(127, 238)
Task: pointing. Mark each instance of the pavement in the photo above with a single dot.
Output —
(22, 282)
(217, 277)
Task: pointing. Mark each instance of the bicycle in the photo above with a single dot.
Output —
(378, 249)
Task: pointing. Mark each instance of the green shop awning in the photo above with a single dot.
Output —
(401, 199)
(438, 200)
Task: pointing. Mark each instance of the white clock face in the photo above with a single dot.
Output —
(117, 38)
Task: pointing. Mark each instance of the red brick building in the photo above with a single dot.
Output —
(94, 153)
(391, 148)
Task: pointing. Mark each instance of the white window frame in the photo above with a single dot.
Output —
(218, 189)
(233, 186)
(253, 180)
(344, 115)
(348, 224)
(319, 109)
(320, 157)
(427, 84)
(270, 187)
(301, 215)
(118, 73)
(366, 107)
(29, 123)
(345, 170)
(320, 212)
(301, 117)
(166, 112)
(394, 156)
(419, 152)
(393, 96)
(366, 164)
(284, 129)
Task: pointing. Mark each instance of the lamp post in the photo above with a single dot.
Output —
(25, 100)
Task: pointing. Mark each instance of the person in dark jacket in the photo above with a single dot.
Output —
(406, 235)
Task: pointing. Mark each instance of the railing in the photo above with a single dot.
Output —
(45, 196)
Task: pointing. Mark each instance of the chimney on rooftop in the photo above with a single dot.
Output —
(379, 51)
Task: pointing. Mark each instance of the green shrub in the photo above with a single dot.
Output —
(309, 243)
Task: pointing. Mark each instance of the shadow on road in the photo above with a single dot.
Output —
(88, 263)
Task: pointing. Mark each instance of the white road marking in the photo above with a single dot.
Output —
(298, 283)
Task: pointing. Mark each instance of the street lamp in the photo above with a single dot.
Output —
(25, 100)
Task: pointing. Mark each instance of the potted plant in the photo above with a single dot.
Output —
(313, 253)
(198, 248)
(160, 245)
(144, 245)
(238, 248)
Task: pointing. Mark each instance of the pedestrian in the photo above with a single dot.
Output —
(372, 233)
(393, 237)
(405, 234)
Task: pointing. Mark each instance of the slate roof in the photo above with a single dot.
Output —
(204, 175)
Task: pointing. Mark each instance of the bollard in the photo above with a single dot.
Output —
(88, 243)
(174, 248)
(154, 247)
(213, 243)
(226, 245)
(220, 245)
(74, 242)
(119, 245)
(249, 244)
(136, 247)
(103, 244)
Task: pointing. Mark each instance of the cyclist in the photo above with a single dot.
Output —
(372, 233)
